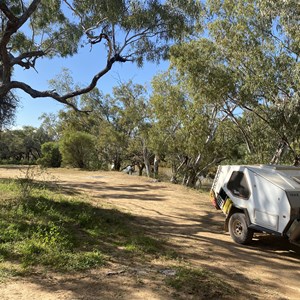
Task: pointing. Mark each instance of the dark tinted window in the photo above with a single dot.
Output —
(238, 185)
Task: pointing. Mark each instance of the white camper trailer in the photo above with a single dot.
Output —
(263, 198)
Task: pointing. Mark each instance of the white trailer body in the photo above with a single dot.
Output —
(258, 198)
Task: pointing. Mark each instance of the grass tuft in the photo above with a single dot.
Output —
(144, 244)
(200, 283)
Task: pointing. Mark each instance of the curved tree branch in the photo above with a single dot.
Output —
(36, 94)
(52, 94)
(138, 40)
(33, 55)
(7, 12)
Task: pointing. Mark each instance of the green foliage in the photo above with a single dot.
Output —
(130, 30)
(115, 121)
(49, 126)
(22, 144)
(78, 149)
(149, 25)
(144, 244)
(58, 34)
(126, 114)
(8, 105)
(51, 156)
(61, 233)
(247, 62)
(200, 283)
(231, 94)
(184, 128)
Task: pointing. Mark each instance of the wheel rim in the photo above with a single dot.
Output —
(237, 228)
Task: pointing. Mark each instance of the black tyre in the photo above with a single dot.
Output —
(239, 230)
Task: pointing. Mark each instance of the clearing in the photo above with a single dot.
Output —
(267, 269)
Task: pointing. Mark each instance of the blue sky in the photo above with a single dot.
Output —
(82, 66)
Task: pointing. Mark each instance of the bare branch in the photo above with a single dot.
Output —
(241, 128)
(86, 30)
(30, 10)
(126, 36)
(35, 93)
(62, 99)
(110, 62)
(133, 38)
(28, 55)
(143, 33)
(90, 86)
(216, 160)
(114, 45)
(73, 9)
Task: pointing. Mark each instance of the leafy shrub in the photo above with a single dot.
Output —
(78, 150)
(51, 156)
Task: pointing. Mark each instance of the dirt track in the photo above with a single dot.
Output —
(268, 269)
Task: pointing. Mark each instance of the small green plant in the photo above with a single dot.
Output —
(8, 271)
(144, 244)
(90, 259)
(30, 178)
(200, 283)
(26, 180)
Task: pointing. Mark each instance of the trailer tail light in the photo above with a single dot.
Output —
(213, 200)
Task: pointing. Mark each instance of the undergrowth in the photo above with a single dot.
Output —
(200, 283)
(45, 228)
(41, 227)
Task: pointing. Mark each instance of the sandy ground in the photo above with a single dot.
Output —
(267, 269)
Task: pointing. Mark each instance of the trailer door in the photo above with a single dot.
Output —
(268, 204)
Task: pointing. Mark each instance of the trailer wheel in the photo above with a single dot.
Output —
(239, 230)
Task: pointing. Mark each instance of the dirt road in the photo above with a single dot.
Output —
(268, 269)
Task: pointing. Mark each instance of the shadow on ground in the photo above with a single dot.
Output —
(194, 238)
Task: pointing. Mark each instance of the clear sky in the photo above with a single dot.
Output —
(82, 66)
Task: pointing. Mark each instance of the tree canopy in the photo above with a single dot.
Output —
(130, 30)
(231, 93)
(249, 61)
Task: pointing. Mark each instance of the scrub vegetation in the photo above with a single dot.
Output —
(135, 236)
(42, 228)
(63, 233)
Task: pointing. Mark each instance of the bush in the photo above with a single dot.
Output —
(78, 150)
(51, 156)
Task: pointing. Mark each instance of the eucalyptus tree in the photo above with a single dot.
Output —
(167, 103)
(22, 144)
(115, 121)
(248, 61)
(50, 125)
(12, 146)
(185, 129)
(131, 31)
(124, 117)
